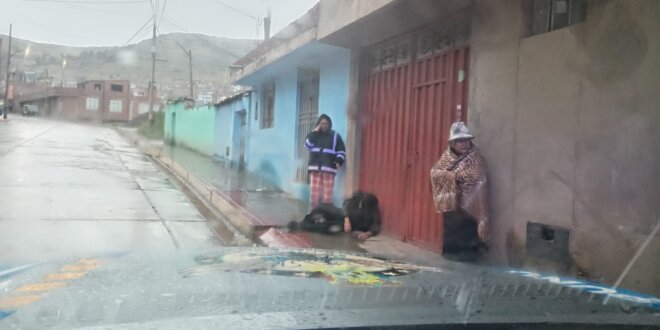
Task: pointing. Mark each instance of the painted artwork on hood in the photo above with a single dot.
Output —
(335, 267)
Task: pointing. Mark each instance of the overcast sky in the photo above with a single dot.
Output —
(113, 22)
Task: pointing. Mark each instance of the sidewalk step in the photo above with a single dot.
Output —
(276, 238)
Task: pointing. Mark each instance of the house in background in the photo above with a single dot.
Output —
(99, 100)
(294, 79)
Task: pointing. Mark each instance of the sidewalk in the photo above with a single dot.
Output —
(259, 211)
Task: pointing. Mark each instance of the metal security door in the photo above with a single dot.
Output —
(439, 95)
(308, 112)
(415, 89)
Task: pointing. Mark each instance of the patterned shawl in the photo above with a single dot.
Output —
(461, 181)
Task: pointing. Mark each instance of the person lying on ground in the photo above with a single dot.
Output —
(324, 218)
(362, 215)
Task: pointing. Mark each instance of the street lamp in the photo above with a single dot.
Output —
(63, 65)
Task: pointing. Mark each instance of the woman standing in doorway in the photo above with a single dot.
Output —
(326, 155)
(460, 193)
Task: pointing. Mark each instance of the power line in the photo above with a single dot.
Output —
(138, 31)
(234, 9)
(162, 14)
(200, 38)
(142, 35)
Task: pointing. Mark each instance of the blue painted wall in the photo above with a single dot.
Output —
(227, 125)
(271, 152)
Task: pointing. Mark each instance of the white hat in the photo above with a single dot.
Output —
(458, 130)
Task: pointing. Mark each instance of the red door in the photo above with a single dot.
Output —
(409, 107)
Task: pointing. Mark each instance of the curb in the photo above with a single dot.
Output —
(240, 218)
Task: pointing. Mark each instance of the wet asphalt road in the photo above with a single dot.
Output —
(69, 189)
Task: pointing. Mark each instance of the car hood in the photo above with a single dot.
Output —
(297, 288)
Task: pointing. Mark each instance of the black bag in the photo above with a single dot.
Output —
(325, 219)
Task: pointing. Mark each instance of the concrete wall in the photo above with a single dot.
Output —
(193, 128)
(336, 14)
(568, 123)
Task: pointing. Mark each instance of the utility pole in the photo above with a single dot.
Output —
(4, 112)
(267, 21)
(153, 74)
(190, 68)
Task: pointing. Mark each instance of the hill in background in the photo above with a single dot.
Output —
(211, 56)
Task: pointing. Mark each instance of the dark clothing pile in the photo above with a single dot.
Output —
(461, 241)
(361, 209)
(326, 149)
(324, 219)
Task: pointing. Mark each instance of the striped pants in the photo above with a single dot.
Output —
(321, 184)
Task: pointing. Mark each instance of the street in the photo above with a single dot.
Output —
(76, 190)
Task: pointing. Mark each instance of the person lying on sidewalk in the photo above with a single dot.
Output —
(324, 218)
(362, 215)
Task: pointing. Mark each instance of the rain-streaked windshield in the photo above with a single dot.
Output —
(329, 163)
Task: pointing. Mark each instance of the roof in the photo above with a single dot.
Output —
(228, 99)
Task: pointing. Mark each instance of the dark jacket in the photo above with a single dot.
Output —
(326, 150)
(325, 219)
(363, 212)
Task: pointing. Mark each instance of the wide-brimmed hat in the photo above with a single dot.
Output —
(458, 130)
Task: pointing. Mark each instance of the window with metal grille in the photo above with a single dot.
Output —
(549, 15)
(268, 104)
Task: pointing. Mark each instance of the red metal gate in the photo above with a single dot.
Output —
(410, 103)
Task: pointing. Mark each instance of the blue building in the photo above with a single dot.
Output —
(293, 79)
(230, 122)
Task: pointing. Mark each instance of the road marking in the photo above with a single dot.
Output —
(78, 268)
(9, 302)
(51, 282)
(63, 276)
(36, 287)
(88, 261)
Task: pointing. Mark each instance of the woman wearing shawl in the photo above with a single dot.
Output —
(460, 193)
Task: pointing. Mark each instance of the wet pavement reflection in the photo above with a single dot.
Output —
(70, 189)
(267, 203)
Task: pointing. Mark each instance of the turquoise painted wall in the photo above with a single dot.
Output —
(193, 128)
